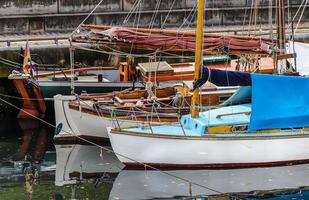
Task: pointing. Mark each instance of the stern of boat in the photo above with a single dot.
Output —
(61, 104)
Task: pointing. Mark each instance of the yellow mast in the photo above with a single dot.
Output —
(198, 55)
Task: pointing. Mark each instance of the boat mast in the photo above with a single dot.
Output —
(280, 18)
(198, 55)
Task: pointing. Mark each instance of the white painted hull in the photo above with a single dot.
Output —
(162, 151)
(81, 123)
(83, 159)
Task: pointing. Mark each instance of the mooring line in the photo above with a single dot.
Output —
(22, 98)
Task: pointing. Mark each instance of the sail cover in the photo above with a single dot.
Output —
(279, 102)
(173, 40)
(222, 78)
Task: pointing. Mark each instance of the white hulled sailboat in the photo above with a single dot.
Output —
(271, 130)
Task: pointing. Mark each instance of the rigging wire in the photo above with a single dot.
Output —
(299, 8)
(70, 36)
(137, 17)
(154, 15)
(250, 18)
(245, 17)
(300, 17)
(22, 98)
(130, 13)
(124, 54)
(170, 10)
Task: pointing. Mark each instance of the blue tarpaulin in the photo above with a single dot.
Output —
(279, 102)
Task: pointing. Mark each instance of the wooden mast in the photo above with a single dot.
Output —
(281, 25)
(198, 55)
(280, 20)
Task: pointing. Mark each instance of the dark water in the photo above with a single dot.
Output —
(72, 171)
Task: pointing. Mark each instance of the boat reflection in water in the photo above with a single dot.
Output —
(250, 183)
(77, 162)
(89, 164)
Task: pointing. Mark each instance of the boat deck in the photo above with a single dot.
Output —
(234, 115)
(167, 130)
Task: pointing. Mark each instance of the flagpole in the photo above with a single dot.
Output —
(198, 55)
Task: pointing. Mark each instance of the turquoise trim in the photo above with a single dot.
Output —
(210, 118)
(197, 126)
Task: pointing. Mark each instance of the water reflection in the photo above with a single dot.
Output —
(77, 162)
(30, 151)
(34, 140)
(137, 184)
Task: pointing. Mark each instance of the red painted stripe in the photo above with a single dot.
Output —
(217, 165)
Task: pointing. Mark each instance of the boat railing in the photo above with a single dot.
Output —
(149, 121)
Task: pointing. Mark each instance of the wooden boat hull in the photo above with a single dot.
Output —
(81, 124)
(29, 90)
(82, 119)
(209, 151)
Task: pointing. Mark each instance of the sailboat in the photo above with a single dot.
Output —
(89, 116)
(271, 130)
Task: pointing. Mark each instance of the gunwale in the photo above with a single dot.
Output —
(262, 136)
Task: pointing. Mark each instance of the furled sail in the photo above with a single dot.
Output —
(171, 40)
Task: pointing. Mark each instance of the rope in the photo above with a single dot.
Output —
(124, 54)
(300, 17)
(162, 26)
(113, 53)
(154, 15)
(245, 17)
(10, 65)
(137, 17)
(290, 24)
(110, 150)
(132, 10)
(21, 98)
(70, 36)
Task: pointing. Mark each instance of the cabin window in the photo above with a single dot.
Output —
(239, 128)
(223, 98)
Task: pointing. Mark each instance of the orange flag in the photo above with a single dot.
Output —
(27, 59)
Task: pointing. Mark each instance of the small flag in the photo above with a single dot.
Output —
(27, 65)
